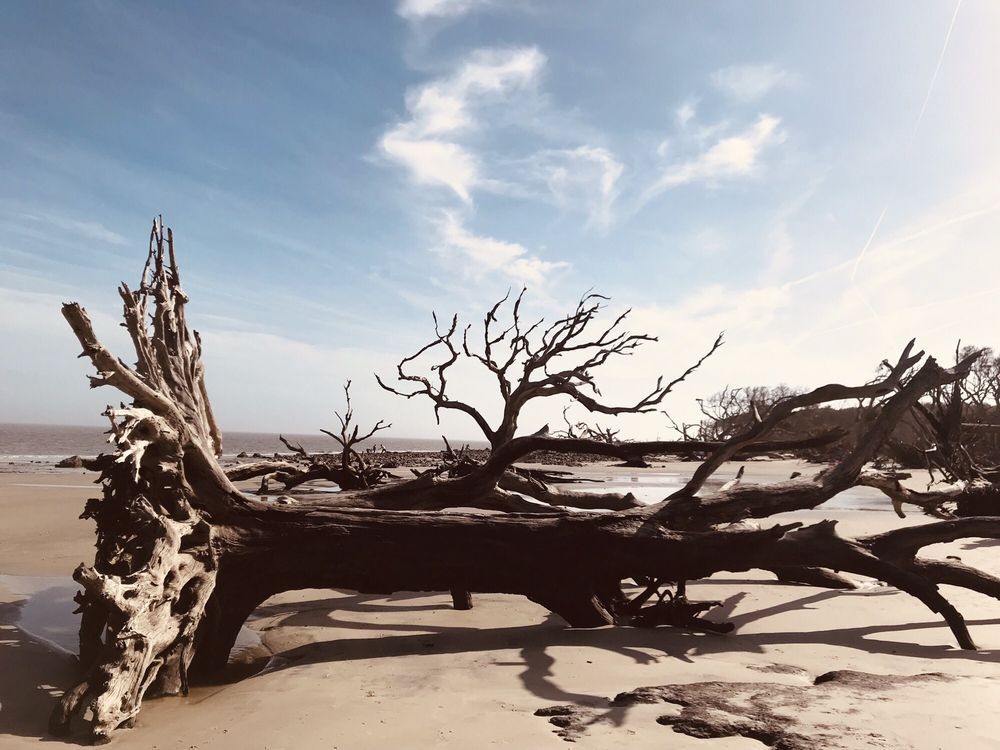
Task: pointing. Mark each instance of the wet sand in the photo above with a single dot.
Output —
(407, 671)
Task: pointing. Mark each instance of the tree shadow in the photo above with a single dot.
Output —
(25, 703)
(346, 600)
(533, 641)
(31, 679)
(644, 646)
(978, 543)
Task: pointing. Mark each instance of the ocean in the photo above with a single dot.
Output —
(45, 443)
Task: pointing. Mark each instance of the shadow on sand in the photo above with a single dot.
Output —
(534, 642)
(32, 670)
(32, 675)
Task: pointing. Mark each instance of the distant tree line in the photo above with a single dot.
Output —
(965, 413)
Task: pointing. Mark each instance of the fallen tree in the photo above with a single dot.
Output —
(301, 467)
(945, 437)
(528, 362)
(183, 557)
(347, 469)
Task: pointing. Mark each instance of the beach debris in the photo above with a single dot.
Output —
(823, 714)
(79, 462)
(349, 469)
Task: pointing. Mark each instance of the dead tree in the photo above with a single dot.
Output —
(682, 428)
(349, 437)
(531, 362)
(946, 424)
(729, 411)
(581, 429)
(349, 470)
(183, 557)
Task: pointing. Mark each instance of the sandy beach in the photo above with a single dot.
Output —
(358, 672)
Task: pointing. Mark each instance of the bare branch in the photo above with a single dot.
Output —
(169, 375)
(783, 409)
(292, 447)
(436, 393)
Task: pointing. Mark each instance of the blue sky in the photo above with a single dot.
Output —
(818, 179)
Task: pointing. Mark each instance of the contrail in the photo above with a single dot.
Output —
(909, 147)
(918, 234)
(937, 69)
(854, 272)
(868, 244)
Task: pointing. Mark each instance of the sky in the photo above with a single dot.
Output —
(818, 180)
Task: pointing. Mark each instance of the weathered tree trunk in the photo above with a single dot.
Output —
(183, 558)
(973, 498)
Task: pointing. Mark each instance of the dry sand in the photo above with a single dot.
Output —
(358, 672)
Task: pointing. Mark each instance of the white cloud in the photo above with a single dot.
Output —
(417, 10)
(489, 255)
(434, 162)
(585, 175)
(684, 114)
(443, 110)
(729, 157)
(748, 83)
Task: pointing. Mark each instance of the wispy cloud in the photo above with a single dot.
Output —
(685, 113)
(780, 251)
(748, 83)
(418, 10)
(490, 255)
(84, 230)
(428, 143)
(779, 241)
(585, 177)
(730, 157)
(705, 243)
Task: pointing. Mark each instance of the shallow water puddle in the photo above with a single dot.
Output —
(647, 486)
(46, 614)
(651, 486)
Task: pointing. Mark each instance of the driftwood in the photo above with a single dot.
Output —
(301, 467)
(183, 557)
(768, 712)
(961, 484)
(534, 484)
(528, 362)
(348, 469)
(964, 498)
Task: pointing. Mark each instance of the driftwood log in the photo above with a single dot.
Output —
(183, 557)
(769, 712)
